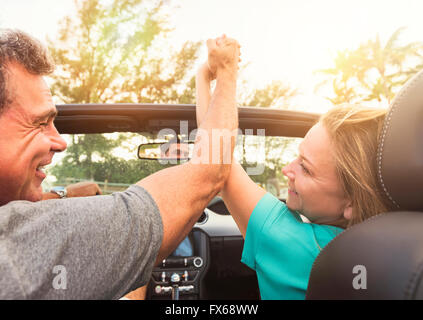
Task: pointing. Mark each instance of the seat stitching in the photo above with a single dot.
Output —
(386, 126)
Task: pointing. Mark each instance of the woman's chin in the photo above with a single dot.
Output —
(292, 204)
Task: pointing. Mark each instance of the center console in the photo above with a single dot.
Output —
(180, 276)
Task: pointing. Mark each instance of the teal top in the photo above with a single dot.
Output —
(281, 248)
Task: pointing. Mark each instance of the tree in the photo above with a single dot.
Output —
(113, 53)
(374, 71)
(78, 162)
(275, 94)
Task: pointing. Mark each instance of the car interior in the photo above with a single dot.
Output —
(207, 264)
(386, 249)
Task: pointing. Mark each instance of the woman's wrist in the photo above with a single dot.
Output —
(205, 73)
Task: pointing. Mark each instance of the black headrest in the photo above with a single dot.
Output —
(400, 154)
(381, 258)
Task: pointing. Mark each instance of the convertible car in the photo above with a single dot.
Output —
(110, 143)
(104, 142)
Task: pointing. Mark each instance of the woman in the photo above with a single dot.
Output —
(332, 182)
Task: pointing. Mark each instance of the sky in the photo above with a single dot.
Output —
(285, 40)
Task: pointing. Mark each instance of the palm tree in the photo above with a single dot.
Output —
(374, 71)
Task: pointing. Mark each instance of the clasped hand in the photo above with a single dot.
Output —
(223, 55)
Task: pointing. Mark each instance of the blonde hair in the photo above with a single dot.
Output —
(354, 133)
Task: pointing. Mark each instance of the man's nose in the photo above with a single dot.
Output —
(58, 143)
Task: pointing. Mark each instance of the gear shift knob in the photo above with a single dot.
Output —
(174, 280)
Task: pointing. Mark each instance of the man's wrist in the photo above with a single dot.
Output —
(226, 73)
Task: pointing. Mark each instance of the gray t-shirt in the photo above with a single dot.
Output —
(97, 247)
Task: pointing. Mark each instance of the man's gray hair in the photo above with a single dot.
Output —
(17, 46)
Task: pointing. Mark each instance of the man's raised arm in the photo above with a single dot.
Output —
(182, 192)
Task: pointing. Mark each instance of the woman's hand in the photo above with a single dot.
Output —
(223, 56)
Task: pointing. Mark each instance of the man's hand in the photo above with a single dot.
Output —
(83, 189)
(223, 55)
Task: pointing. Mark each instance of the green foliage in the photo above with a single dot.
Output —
(92, 157)
(275, 94)
(374, 71)
(116, 52)
(79, 161)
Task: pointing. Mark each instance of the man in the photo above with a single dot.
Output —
(94, 247)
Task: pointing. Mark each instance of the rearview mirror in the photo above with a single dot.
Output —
(166, 151)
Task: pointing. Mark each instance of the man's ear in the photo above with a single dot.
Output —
(348, 212)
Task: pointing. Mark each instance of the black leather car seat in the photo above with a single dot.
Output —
(382, 258)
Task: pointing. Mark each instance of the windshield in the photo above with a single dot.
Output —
(111, 160)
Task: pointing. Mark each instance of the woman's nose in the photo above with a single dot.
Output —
(287, 171)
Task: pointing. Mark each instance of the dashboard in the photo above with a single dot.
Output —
(207, 263)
